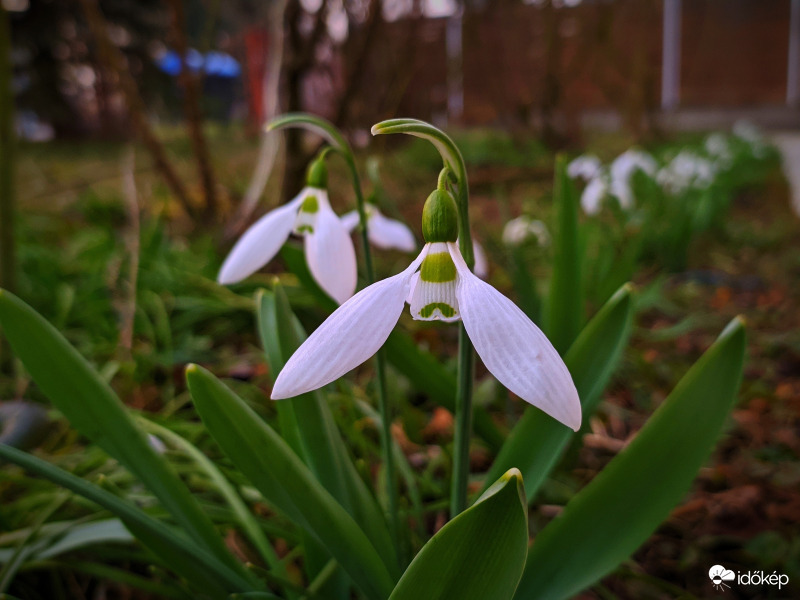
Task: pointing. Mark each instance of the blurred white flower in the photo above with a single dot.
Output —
(382, 231)
(523, 228)
(750, 133)
(585, 167)
(328, 248)
(686, 170)
(622, 169)
(481, 268)
(594, 194)
(718, 147)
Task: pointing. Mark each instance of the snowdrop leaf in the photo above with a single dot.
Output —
(260, 243)
(514, 350)
(90, 405)
(564, 310)
(623, 505)
(479, 555)
(330, 255)
(536, 442)
(286, 482)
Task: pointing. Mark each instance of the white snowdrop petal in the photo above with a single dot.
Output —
(330, 255)
(350, 220)
(514, 350)
(353, 333)
(260, 243)
(592, 196)
(481, 262)
(389, 233)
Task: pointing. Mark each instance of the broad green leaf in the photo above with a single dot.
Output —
(623, 505)
(479, 555)
(564, 314)
(285, 481)
(427, 374)
(94, 410)
(179, 553)
(537, 441)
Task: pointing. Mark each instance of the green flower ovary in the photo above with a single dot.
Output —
(440, 217)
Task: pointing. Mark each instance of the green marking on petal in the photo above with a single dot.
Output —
(446, 310)
(305, 229)
(438, 268)
(310, 205)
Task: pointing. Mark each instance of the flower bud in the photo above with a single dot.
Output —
(440, 218)
(317, 174)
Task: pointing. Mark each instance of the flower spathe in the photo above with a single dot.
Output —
(329, 250)
(439, 286)
(382, 231)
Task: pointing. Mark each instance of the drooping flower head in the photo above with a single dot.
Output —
(622, 169)
(520, 230)
(383, 232)
(328, 248)
(438, 285)
(584, 167)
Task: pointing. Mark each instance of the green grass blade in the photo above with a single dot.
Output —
(285, 481)
(181, 554)
(479, 555)
(94, 410)
(243, 515)
(537, 440)
(565, 306)
(623, 505)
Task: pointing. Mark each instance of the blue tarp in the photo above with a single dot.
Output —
(214, 63)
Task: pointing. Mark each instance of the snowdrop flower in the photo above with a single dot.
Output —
(718, 147)
(481, 268)
(686, 170)
(328, 248)
(382, 231)
(584, 167)
(439, 286)
(623, 168)
(751, 134)
(594, 194)
(523, 228)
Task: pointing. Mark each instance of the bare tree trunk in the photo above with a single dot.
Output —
(8, 264)
(356, 73)
(270, 142)
(190, 85)
(110, 56)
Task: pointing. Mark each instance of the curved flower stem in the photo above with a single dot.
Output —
(340, 145)
(454, 162)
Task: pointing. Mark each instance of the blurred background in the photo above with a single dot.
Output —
(133, 154)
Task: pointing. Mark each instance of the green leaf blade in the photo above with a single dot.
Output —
(285, 481)
(479, 555)
(91, 406)
(564, 314)
(625, 503)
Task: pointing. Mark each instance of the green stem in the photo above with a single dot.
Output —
(340, 145)
(454, 162)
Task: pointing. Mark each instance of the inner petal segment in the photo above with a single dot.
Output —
(433, 297)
